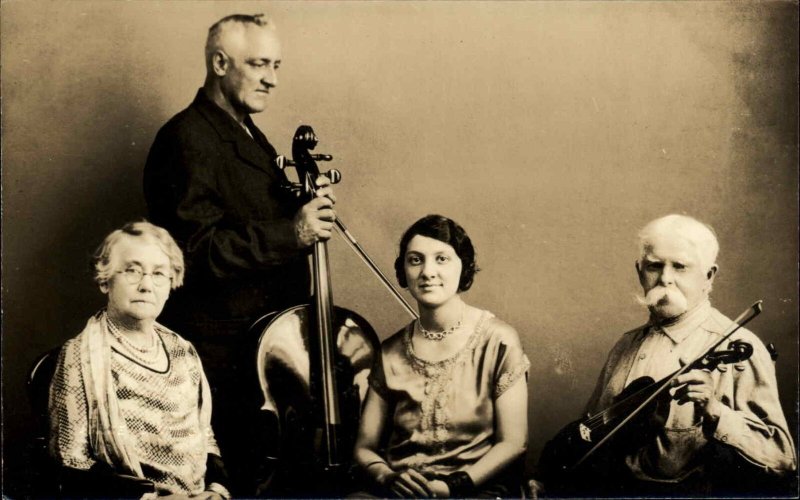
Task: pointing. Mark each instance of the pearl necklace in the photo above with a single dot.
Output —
(441, 334)
(147, 355)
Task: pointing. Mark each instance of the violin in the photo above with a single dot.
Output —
(583, 448)
(313, 361)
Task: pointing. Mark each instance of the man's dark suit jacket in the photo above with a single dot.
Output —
(220, 195)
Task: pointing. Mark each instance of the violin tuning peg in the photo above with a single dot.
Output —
(773, 351)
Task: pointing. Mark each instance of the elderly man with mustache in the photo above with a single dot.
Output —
(718, 432)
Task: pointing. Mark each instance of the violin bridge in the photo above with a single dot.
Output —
(586, 433)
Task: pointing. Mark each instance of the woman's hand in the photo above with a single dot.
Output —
(439, 489)
(535, 489)
(207, 495)
(406, 484)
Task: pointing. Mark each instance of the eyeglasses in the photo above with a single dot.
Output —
(134, 276)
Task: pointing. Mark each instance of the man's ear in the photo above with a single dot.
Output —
(712, 272)
(219, 62)
(710, 275)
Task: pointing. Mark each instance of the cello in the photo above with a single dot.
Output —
(589, 451)
(312, 363)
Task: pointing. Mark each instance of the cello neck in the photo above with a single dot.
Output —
(323, 309)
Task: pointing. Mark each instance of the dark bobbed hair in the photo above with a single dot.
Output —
(447, 231)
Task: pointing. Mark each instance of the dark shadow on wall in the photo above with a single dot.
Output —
(48, 267)
(763, 67)
(765, 152)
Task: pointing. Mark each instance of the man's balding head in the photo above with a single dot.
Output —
(229, 32)
(242, 54)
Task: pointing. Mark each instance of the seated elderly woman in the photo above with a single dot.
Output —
(129, 396)
(450, 389)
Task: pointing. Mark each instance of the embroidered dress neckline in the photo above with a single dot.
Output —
(468, 345)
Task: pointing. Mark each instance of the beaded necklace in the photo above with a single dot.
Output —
(441, 334)
(147, 355)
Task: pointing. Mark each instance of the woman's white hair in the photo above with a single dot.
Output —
(101, 261)
(701, 236)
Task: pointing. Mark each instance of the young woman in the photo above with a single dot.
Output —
(450, 389)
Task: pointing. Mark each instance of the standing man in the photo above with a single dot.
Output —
(212, 181)
(728, 422)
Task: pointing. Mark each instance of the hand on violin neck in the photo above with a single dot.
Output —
(314, 221)
(697, 386)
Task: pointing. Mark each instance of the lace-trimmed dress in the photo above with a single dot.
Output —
(443, 412)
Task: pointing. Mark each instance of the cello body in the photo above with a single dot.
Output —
(291, 386)
(312, 364)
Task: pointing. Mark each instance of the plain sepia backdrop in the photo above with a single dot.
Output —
(552, 131)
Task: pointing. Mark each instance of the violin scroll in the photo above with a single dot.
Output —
(737, 351)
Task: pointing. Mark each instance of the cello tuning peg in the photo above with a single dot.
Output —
(294, 187)
(334, 175)
(282, 162)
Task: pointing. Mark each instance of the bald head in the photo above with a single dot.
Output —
(696, 234)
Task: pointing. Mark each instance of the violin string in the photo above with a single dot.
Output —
(599, 417)
(595, 420)
(738, 323)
